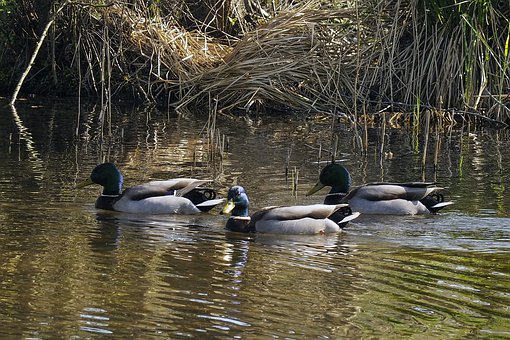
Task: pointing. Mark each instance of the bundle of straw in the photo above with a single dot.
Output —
(284, 64)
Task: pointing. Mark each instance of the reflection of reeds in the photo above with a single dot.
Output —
(25, 135)
(295, 180)
(216, 143)
(426, 140)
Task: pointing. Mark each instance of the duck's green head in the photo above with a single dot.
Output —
(335, 176)
(108, 176)
(237, 202)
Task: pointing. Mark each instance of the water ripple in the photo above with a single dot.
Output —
(71, 271)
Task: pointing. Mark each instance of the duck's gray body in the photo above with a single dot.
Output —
(298, 219)
(173, 196)
(379, 198)
(160, 197)
(393, 199)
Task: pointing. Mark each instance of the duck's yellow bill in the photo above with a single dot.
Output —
(316, 188)
(86, 182)
(228, 207)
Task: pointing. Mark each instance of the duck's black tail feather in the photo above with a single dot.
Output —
(343, 215)
(435, 202)
(201, 196)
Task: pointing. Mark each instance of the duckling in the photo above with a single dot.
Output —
(379, 198)
(299, 219)
(173, 196)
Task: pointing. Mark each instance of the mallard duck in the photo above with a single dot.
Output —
(173, 196)
(379, 198)
(299, 219)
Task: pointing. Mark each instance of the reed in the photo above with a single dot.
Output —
(426, 140)
(295, 181)
(362, 57)
(277, 66)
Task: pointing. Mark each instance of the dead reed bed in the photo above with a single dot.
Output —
(283, 65)
(365, 58)
(149, 54)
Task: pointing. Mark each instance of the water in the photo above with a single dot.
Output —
(71, 271)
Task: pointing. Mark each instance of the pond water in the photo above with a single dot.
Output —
(71, 271)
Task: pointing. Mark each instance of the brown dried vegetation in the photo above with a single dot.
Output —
(363, 58)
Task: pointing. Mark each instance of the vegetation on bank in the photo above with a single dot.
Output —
(343, 58)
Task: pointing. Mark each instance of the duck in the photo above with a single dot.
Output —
(291, 220)
(381, 198)
(173, 196)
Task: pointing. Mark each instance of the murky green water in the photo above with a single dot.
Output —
(70, 271)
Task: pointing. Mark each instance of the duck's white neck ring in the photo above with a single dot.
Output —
(337, 194)
(104, 195)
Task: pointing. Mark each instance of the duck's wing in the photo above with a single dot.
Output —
(390, 191)
(188, 185)
(316, 211)
(405, 184)
(176, 186)
(259, 214)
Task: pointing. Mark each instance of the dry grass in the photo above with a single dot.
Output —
(282, 65)
(364, 59)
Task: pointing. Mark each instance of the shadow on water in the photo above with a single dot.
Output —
(69, 270)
